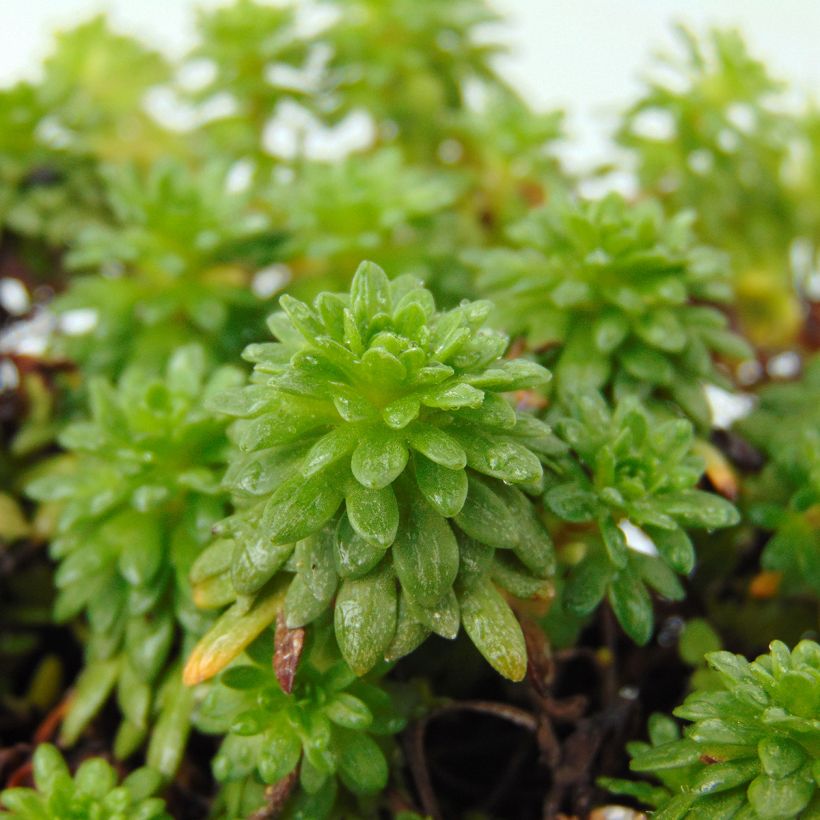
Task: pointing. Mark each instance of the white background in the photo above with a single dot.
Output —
(583, 55)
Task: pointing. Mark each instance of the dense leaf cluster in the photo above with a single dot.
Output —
(622, 465)
(133, 501)
(92, 793)
(751, 749)
(379, 460)
(785, 498)
(614, 294)
(328, 728)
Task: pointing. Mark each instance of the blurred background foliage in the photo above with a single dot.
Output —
(125, 234)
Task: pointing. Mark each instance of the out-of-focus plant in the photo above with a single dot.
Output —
(371, 205)
(46, 192)
(785, 498)
(508, 151)
(254, 58)
(175, 267)
(93, 791)
(714, 135)
(94, 92)
(615, 297)
(408, 64)
(137, 492)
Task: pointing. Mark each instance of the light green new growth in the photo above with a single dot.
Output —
(92, 794)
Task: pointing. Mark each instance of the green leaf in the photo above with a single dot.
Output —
(695, 508)
(799, 692)
(314, 562)
(410, 633)
(485, 517)
(510, 574)
(437, 446)
(587, 585)
(501, 458)
(398, 414)
(255, 561)
(632, 606)
(330, 448)
(453, 397)
(609, 331)
(776, 798)
(365, 618)
(362, 765)
(373, 513)
(443, 617)
(780, 756)
(170, 735)
(661, 328)
(534, 548)
(302, 606)
(572, 502)
(445, 489)
(48, 766)
(379, 459)
(667, 756)
(675, 547)
(719, 777)
(95, 777)
(369, 293)
(348, 711)
(646, 364)
(614, 541)
(300, 507)
(92, 689)
(353, 555)
(280, 751)
(494, 629)
(425, 554)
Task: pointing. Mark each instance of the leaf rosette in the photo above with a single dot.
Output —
(614, 295)
(785, 497)
(622, 465)
(752, 748)
(331, 729)
(93, 791)
(135, 498)
(380, 463)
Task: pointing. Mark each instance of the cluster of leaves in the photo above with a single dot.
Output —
(613, 294)
(753, 746)
(133, 500)
(714, 132)
(92, 793)
(87, 109)
(785, 498)
(326, 724)
(384, 406)
(620, 466)
(177, 260)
